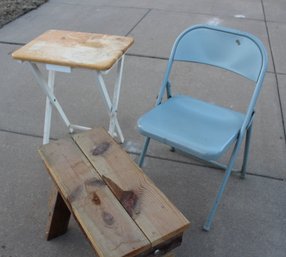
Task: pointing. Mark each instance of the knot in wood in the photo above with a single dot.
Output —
(101, 148)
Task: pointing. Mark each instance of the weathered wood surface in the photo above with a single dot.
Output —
(75, 49)
(156, 216)
(105, 222)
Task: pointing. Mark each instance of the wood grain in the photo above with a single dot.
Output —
(106, 224)
(75, 49)
(156, 216)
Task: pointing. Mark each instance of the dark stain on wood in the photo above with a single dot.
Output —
(128, 199)
(108, 218)
(100, 149)
(75, 193)
(95, 198)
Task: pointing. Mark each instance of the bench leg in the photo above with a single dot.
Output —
(59, 215)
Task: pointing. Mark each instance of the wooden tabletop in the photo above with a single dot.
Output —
(120, 209)
(75, 49)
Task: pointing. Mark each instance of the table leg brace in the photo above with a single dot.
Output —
(112, 106)
(48, 89)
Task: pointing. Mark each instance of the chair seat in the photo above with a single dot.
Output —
(202, 129)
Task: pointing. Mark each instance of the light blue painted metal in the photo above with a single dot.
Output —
(144, 150)
(199, 128)
(196, 127)
(246, 151)
(226, 49)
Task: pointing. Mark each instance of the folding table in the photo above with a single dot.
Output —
(61, 51)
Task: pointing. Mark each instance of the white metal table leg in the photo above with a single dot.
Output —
(116, 94)
(112, 106)
(48, 112)
(48, 91)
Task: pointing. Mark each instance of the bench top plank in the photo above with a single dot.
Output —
(157, 217)
(75, 49)
(106, 223)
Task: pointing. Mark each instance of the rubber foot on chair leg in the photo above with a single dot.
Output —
(206, 227)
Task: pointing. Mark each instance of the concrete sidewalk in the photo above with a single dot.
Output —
(251, 220)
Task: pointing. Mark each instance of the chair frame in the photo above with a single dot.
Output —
(246, 128)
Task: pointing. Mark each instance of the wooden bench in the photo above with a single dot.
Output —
(119, 209)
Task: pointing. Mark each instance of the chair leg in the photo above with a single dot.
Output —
(207, 225)
(144, 150)
(212, 213)
(246, 151)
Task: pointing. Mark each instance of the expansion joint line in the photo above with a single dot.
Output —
(148, 11)
(275, 72)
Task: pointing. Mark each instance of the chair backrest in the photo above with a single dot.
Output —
(225, 48)
(229, 49)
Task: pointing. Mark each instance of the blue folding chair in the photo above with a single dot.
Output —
(199, 128)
